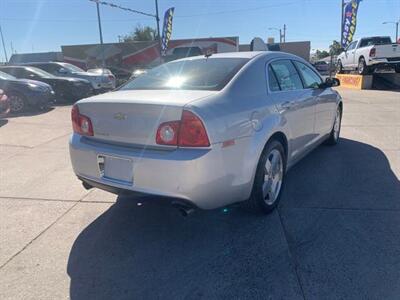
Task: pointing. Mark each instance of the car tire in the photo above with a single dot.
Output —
(17, 101)
(362, 67)
(269, 179)
(334, 136)
(339, 67)
(397, 69)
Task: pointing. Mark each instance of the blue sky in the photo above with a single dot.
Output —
(45, 25)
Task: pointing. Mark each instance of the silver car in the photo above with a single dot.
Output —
(205, 132)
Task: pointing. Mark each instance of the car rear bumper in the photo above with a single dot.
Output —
(206, 178)
(384, 61)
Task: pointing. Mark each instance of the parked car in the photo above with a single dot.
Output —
(25, 93)
(100, 82)
(182, 52)
(369, 54)
(102, 71)
(136, 73)
(206, 132)
(121, 74)
(322, 66)
(65, 88)
(4, 104)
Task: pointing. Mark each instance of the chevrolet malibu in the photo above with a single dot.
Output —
(205, 132)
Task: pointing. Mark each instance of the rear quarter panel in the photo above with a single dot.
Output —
(243, 113)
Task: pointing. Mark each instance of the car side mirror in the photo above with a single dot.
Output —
(330, 82)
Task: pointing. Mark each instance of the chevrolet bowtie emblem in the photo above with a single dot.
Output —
(120, 116)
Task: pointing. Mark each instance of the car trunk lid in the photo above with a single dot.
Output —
(132, 117)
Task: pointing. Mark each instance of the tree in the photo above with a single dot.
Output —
(321, 54)
(335, 48)
(141, 33)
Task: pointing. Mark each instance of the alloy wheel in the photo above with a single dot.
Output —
(16, 103)
(273, 177)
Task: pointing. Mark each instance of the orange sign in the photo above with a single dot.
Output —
(352, 81)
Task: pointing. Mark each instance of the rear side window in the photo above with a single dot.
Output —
(352, 46)
(46, 67)
(272, 82)
(15, 72)
(385, 40)
(287, 75)
(310, 78)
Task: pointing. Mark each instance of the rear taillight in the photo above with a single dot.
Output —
(372, 52)
(167, 133)
(81, 124)
(111, 77)
(192, 132)
(188, 132)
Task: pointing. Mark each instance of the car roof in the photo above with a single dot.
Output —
(40, 63)
(17, 67)
(245, 54)
(375, 36)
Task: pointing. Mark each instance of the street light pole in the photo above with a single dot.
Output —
(397, 28)
(280, 32)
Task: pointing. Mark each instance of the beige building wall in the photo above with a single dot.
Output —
(301, 49)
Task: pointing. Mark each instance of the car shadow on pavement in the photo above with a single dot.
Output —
(3, 122)
(30, 113)
(309, 248)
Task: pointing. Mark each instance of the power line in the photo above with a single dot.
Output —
(123, 8)
(146, 14)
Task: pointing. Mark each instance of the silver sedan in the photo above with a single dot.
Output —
(205, 132)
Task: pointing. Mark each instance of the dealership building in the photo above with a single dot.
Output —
(145, 54)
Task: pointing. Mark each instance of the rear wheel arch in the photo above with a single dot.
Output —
(280, 137)
(275, 142)
(276, 136)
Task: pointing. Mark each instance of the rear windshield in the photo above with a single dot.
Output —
(385, 40)
(197, 74)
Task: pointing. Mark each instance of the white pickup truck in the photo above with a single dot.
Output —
(368, 54)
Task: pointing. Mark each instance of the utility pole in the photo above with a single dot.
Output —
(156, 16)
(4, 45)
(284, 33)
(101, 34)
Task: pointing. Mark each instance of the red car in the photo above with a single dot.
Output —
(4, 104)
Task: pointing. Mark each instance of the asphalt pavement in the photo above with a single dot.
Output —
(336, 234)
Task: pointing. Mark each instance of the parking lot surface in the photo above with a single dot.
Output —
(336, 234)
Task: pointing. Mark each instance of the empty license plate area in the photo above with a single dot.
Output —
(115, 169)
